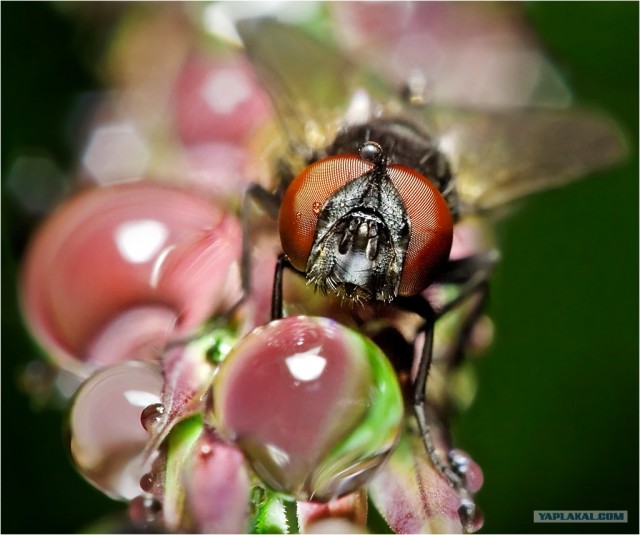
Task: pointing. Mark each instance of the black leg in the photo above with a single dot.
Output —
(471, 274)
(270, 203)
(423, 308)
(456, 479)
(419, 401)
(276, 296)
(470, 320)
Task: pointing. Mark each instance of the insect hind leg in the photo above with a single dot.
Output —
(471, 274)
(449, 470)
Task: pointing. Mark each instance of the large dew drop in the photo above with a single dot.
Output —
(107, 435)
(315, 406)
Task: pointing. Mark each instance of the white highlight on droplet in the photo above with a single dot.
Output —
(306, 366)
(156, 271)
(140, 398)
(139, 241)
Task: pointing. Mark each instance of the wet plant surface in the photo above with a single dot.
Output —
(555, 417)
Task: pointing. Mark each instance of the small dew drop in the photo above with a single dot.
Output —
(144, 512)
(258, 496)
(147, 481)
(459, 462)
(206, 451)
(298, 215)
(152, 508)
(316, 207)
(151, 416)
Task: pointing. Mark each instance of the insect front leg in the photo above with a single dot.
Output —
(270, 203)
(276, 296)
(419, 305)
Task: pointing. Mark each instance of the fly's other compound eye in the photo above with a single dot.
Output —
(364, 229)
(431, 229)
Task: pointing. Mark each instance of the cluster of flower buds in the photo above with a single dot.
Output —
(193, 406)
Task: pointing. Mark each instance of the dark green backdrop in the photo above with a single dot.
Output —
(555, 423)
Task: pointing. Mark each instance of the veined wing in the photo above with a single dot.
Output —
(313, 86)
(499, 156)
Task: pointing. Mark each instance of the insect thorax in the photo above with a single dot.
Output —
(406, 144)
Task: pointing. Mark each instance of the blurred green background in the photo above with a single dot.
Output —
(555, 423)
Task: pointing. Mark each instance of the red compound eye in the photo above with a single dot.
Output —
(305, 198)
(431, 228)
(426, 209)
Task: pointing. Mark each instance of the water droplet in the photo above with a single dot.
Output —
(329, 366)
(147, 482)
(317, 206)
(151, 416)
(206, 451)
(258, 495)
(152, 509)
(108, 451)
(145, 512)
(471, 515)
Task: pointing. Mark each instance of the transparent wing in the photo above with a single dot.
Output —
(313, 86)
(499, 156)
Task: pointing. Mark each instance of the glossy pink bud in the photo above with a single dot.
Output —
(217, 99)
(116, 271)
(216, 482)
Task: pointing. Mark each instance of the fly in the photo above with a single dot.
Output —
(367, 200)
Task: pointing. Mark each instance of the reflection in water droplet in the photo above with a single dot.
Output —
(258, 495)
(467, 469)
(147, 482)
(316, 207)
(107, 439)
(140, 241)
(145, 513)
(306, 366)
(206, 451)
(151, 416)
(225, 90)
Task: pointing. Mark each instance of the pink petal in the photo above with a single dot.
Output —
(217, 99)
(351, 508)
(411, 495)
